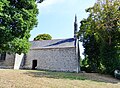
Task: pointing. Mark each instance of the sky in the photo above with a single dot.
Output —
(56, 17)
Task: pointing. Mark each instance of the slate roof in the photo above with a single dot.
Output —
(55, 43)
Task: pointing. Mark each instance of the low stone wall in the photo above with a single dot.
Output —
(56, 59)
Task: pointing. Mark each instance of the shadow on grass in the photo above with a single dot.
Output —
(56, 75)
(66, 75)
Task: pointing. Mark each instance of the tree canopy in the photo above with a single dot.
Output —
(43, 37)
(100, 34)
(17, 19)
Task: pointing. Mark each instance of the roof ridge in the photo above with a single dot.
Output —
(51, 39)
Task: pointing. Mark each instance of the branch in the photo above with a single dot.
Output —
(40, 1)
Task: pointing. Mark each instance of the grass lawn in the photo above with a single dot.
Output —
(46, 79)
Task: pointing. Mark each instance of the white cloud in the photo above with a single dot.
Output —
(48, 3)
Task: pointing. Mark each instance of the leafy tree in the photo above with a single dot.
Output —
(90, 44)
(43, 37)
(17, 19)
(100, 34)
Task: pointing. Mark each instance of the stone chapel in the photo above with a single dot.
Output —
(54, 55)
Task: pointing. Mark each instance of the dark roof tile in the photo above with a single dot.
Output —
(55, 43)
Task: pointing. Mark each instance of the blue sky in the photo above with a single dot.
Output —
(56, 17)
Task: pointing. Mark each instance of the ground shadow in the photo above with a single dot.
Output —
(56, 75)
(72, 76)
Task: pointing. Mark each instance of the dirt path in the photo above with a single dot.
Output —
(100, 77)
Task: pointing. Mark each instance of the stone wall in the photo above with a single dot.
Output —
(8, 62)
(55, 59)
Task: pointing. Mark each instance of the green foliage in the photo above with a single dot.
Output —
(19, 45)
(43, 37)
(110, 57)
(100, 34)
(17, 19)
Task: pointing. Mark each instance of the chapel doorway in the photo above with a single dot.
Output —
(34, 64)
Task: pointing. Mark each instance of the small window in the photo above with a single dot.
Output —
(2, 56)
